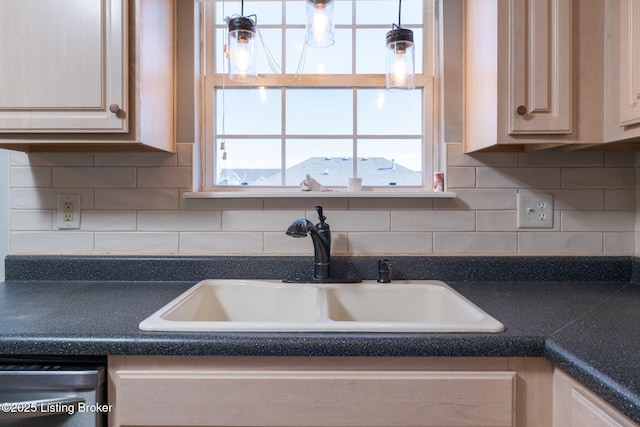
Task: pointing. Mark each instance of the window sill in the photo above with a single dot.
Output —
(317, 194)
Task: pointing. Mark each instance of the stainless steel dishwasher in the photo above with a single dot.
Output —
(51, 395)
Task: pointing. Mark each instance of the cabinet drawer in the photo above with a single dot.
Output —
(314, 398)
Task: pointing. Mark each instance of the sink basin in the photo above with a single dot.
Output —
(270, 306)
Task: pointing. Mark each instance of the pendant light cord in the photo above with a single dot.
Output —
(399, 13)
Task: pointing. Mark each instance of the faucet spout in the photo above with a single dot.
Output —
(321, 237)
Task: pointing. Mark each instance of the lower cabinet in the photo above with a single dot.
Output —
(576, 406)
(334, 391)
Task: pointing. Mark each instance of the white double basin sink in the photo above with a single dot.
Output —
(271, 306)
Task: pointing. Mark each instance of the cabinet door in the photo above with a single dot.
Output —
(575, 406)
(205, 397)
(540, 52)
(63, 66)
(629, 62)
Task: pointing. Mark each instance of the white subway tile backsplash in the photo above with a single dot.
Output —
(485, 243)
(94, 177)
(164, 177)
(619, 200)
(543, 159)
(433, 221)
(565, 243)
(619, 243)
(598, 220)
(598, 178)
(496, 221)
(132, 204)
(47, 198)
(134, 198)
(577, 199)
(135, 159)
(51, 242)
(138, 242)
(179, 220)
(24, 220)
(456, 157)
(184, 153)
(361, 243)
(103, 220)
(259, 220)
(224, 243)
(463, 177)
(30, 177)
(353, 220)
(519, 177)
(280, 243)
(17, 158)
(468, 199)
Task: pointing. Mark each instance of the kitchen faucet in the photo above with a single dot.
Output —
(321, 237)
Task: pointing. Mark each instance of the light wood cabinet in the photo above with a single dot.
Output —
(87, 75)
(622, 73)
(307, 391)
(533, 73)
(576, 406)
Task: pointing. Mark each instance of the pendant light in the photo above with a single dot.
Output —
(320, 25)
(400, 57)
(241, 43)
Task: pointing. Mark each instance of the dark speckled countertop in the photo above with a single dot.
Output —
(581, 313)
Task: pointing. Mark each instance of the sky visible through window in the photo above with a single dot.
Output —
(275, 136)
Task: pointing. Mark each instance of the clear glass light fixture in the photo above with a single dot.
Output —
(320, 25)
(241, 44)
(400, 57)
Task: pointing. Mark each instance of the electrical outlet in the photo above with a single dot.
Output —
(535, 210)
(68, 211)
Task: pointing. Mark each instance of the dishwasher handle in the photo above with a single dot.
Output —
(39, 408)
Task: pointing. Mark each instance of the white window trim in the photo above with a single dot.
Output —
(434, 161)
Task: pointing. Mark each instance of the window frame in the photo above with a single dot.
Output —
(433, 147)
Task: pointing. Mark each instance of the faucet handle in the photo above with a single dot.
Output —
(384, 271)
(320, 215)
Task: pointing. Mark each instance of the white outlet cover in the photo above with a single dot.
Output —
(535, 210)
(62, 221)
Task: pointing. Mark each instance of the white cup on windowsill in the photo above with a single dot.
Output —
(354, 184)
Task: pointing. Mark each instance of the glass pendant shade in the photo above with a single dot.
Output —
(400, 59)
(241, 42)
(320, 25)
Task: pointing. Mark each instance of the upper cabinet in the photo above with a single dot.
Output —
(525, 63)
(87, 75)
(622, 71)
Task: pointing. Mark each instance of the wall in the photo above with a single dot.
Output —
(132, 204)
(638, 204)
(4, 209)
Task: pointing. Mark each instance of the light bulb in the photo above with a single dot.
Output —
(242, 58)
(320, 25)
(400, 70)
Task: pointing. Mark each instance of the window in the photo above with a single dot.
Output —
(322, 112)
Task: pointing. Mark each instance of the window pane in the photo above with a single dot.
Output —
(248, 161)
(250, 111)
(329, 161)
(335, 59)
(384, 162)
(319, 111)
(370, 50)
(381, 112)
(386, 12)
